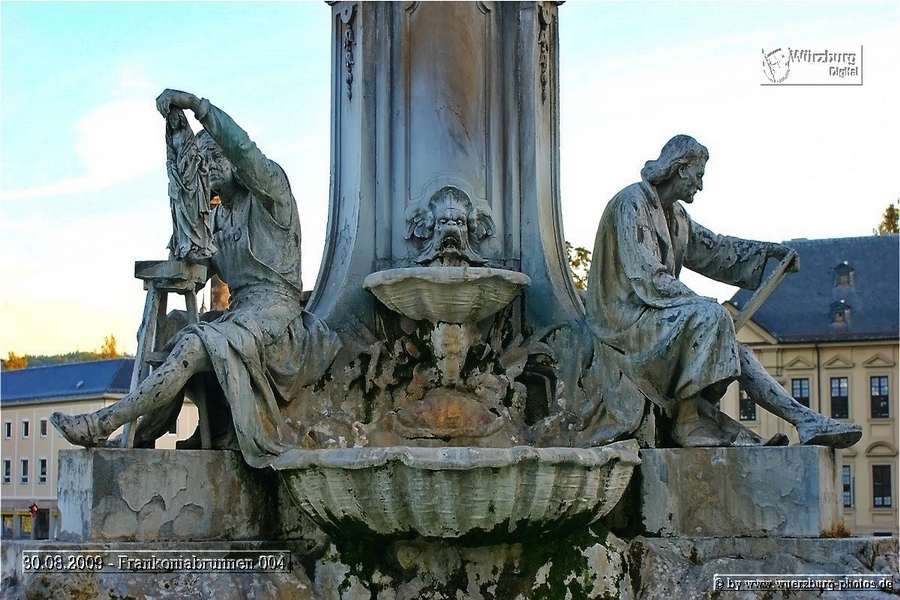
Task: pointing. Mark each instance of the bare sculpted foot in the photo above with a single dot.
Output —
(80, 430)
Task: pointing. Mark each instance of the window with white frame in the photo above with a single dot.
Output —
(800, 390)
(7, 470)
(878, 386)
(746, 407)
(23, 470)
(881, 486)
(848, 486)
(7, 429)
(43, 428)
(26, 429)
(42, 471)
(840, 399)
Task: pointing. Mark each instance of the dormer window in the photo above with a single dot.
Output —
(843, 275)
(840, 313)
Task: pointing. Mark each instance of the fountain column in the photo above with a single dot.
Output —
(433, 94)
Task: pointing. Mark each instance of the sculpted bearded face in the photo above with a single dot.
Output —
(449, 227)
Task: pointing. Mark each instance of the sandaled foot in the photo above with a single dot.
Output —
(779, 439)
(695, 429)
(829, 432)
(695, 435)
(80, 430)
(700, 424)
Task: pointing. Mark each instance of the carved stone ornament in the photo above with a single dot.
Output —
(505, 492)
(545, 18)
(449, 227)
(349, 40)
(448, 294)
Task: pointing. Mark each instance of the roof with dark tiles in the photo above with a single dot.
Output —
(70, 381)
(802, 308)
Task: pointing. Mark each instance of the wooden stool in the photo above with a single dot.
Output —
(161, 278)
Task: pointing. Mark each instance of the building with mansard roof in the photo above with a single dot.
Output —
(830, 335)
(30, 445)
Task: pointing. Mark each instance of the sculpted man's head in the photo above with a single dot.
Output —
(679, 168)
(221, 172)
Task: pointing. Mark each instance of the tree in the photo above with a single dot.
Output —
(108, 349)
(888, 221)
(579, 265)
(14, 361)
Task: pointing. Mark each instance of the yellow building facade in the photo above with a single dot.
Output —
(30, 445)
(813, 371)
(829, 335)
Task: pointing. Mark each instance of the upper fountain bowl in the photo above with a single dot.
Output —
(446, 294)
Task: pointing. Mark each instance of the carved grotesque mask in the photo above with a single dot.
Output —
(449, 227)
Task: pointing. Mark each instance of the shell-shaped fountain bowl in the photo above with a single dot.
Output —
(446, 294)
(458, 492)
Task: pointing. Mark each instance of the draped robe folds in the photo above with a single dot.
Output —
(265, 347)
(671, 342)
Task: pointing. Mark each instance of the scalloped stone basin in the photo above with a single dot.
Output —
(457, 492)
(446, 294)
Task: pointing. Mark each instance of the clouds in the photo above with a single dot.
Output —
(84, 186)
(780, 156)
(786, 162)
(116, 142)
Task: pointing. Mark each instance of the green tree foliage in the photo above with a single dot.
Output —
(889, 220)
(579, 265)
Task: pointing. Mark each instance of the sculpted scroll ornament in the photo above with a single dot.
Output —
(349, 41)
(544, 17)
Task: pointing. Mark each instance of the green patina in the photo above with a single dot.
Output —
(373, 562)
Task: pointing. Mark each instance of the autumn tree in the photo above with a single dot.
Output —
(14, 361)
(888, 221)
(109, 349)
(579, 265)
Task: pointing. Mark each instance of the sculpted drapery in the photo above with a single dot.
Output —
(675, 342)
(265, 347)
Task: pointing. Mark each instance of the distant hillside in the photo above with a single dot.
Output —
(109, 349)
(71, 357)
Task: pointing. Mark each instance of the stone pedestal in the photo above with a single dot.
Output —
(583, 566)
(111, 494)
(739, 492)
(211, 495)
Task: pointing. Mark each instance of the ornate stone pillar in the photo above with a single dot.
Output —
(433, 94)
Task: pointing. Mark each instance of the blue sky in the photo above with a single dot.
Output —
(83, 186)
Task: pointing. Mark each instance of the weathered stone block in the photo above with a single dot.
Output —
(112, 581)
(664, 568)
(587, 565)
(108, 494)
(742, 492)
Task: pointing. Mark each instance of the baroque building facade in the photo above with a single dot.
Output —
(830, 336)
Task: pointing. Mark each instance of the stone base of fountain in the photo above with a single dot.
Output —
(590, 562)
